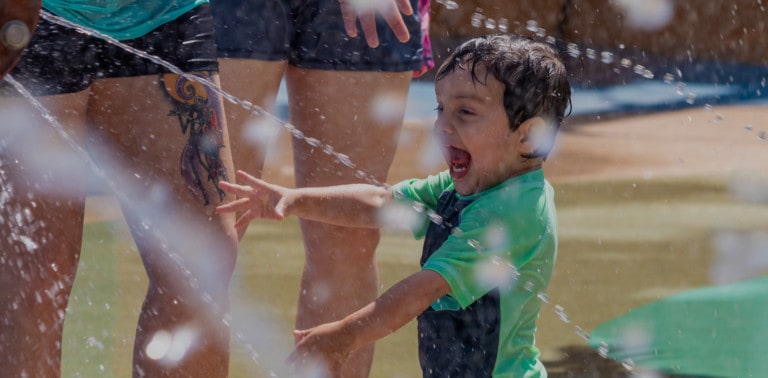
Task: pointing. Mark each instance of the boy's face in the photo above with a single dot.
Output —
(472, 126)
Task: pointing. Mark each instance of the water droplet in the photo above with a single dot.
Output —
(582, 333)
(691, 98)
(313, 142)
(628, 364)
(503, 25)
(573, 50)
(602, 350)
(561, 314)
(528, 286)
(669, 78)
(490, 24)
(434, 217)
(477, 19)
(450, 5)
(591, 53)
(626, 63)
(328, 149)
(475, 245)
(748, 127)
(532, 25)
(606, 57)
(543, 297)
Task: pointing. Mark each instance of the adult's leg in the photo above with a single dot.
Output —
(258, 82)
(42, 199)
(359, 114)
(167, 140)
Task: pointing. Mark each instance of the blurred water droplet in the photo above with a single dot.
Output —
(434, 217)
(475, 245)
(602, 350)
(345, 160)
(528, 286)
(628, 364)
(543, 297)
(313, 142)
(707, 107)
(606, 57)
(626, 63)
(591, 53)
(573, 50)
(561, 314)
(503, 25)
(669, 78)
(477, 19)
(582, 333)
(532, 25)
(691, 98)
(450, 4)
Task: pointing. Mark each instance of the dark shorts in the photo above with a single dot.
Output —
(310, 34)
(61, 60)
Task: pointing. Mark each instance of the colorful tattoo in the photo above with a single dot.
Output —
(198, 110)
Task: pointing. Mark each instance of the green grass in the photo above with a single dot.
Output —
(622, 244)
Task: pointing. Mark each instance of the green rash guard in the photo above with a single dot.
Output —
(121, 19)
(496, 250)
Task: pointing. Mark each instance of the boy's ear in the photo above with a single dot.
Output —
(536, 136)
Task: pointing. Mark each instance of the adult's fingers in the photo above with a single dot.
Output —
(395, 20)
(368, 24)
(405, 7)
(350, 18)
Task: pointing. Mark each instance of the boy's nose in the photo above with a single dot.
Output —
(442, 127)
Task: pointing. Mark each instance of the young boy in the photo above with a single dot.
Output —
(491, 234)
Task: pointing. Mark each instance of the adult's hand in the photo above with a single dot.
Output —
(366, 10)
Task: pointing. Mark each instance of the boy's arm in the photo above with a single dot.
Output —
(353, 205)
(333, 342)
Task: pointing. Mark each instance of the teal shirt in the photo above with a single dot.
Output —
(507, 240)
(121, 19)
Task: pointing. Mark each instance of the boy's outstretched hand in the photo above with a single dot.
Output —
(256, 199)
(323, 347)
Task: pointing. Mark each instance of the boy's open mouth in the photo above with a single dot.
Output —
(460, 161)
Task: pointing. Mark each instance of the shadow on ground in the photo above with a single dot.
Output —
(584, 362)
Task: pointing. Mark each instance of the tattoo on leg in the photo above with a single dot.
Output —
(199, 113)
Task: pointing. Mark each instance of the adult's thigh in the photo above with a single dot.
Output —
(357, 114)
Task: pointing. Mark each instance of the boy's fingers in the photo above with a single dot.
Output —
(405, 7)
(299, 335)
(240, 204)
(244, 220)
(249, 179)
(237, 190)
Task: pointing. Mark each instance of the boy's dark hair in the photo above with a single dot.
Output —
(534, 77)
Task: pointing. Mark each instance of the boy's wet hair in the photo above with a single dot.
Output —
(534, 77)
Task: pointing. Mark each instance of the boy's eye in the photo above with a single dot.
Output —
(466, 112)
(439, 109)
